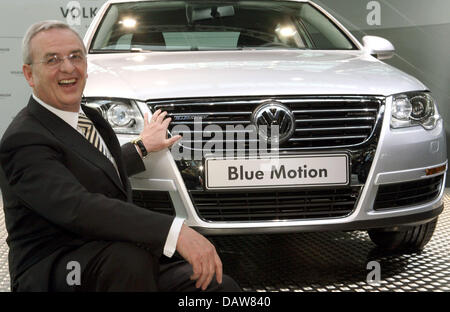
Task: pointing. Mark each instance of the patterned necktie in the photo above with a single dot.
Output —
(90, 133)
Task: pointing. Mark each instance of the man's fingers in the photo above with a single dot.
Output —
(203, 272)
(172, 140)
(196, 268)
(146, 122)
(210, 275)
(204, 276)
(199, 268)
(166, 122)
(161, 117)
(155, 115)
(219, 272)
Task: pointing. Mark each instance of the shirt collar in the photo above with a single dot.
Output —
(69, 117)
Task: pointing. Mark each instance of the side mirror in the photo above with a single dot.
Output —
(378, 47)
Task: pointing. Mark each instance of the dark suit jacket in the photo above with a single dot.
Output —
(59, 192)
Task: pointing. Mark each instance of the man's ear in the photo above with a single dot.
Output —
(27, 72)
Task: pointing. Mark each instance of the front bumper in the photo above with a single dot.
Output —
(401, 156)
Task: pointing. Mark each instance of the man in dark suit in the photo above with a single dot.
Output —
(66, 193)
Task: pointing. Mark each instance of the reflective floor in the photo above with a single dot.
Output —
(326, 261)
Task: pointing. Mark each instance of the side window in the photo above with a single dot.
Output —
(323, 32)
(318, 38)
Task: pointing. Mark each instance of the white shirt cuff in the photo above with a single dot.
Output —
(172, 238)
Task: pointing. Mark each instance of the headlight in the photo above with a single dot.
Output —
(123, 115)
(413, 109)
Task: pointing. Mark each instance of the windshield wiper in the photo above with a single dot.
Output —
(132, 50)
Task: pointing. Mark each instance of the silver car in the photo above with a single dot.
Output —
(289, 123)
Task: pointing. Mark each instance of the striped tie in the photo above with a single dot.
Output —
(90, 133)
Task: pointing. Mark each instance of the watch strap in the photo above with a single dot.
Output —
(138, 142)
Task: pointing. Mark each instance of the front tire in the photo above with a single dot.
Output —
(413, 239)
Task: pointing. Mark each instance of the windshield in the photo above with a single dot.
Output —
(213, 25)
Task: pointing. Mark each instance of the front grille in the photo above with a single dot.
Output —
(157, 201)
(275, 205)
(391, 196)
(320, 121)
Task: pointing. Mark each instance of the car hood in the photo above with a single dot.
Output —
(159, 75)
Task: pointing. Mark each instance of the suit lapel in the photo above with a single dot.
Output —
(77, 143)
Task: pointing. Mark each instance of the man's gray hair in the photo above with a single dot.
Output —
(37, 28)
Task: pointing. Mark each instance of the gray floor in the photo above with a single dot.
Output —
(4, 275)
(326, 261)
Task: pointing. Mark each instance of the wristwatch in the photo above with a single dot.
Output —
(138, 142)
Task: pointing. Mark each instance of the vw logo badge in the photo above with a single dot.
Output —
(274, 121)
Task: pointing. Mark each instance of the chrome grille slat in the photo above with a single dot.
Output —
(216, 122)
(331, 110)
(323, 100)
(177, 102)
(321, 121)
(335, 119)
(225, 206)
(333, 128)
(329, 138)
(258, 101)
(224, 141)
(225, 131)
(210, 114)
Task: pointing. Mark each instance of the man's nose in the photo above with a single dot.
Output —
(66, 66)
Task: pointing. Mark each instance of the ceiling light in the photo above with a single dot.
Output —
(128, 22)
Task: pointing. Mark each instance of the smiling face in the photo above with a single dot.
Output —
(60, 86)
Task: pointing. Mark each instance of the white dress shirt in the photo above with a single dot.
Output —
(72, 119)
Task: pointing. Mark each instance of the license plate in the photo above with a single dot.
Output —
(289, 171)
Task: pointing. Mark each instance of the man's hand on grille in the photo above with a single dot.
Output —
(154, 135)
